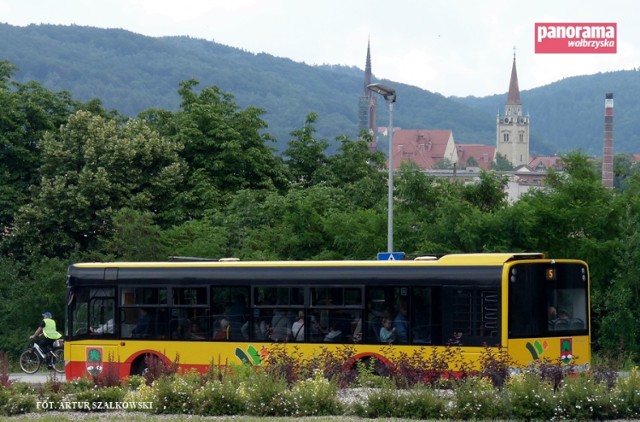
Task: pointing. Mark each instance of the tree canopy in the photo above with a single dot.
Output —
(81, 184)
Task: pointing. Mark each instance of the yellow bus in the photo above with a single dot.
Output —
(231, 311)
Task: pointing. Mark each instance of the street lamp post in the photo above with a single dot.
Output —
(389, 95)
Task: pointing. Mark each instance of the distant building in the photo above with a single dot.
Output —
(544, 163)
(512, 132)
(429, 149)
(475, 155)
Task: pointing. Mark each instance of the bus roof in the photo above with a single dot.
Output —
(489, 259)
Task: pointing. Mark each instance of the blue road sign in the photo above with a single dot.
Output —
(390, 256)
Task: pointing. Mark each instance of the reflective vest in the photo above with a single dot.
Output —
(49, 329)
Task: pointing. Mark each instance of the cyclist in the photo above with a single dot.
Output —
(45, 335)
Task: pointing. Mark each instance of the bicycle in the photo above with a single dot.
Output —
(34, 356)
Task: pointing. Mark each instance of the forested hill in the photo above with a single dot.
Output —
(131, 73)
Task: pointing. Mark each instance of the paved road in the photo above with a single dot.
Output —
(38, 377)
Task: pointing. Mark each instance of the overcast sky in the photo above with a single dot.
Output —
(454, 47)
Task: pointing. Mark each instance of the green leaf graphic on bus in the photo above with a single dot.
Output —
(537, 348)
(252, 356)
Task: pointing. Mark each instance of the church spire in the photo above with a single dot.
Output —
(367, 70)
(514, 92)
(368, 103)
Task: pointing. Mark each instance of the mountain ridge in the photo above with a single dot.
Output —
(131, 73)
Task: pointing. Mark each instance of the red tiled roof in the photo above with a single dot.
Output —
(540, 163)
(483, 154)
(424, 147)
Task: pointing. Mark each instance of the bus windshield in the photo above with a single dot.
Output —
(547, 300)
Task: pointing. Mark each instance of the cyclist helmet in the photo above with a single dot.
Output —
(47, 314)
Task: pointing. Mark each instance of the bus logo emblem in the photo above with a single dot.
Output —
(94, 363)
(566, 350)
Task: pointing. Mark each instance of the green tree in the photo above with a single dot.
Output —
(489, 193)
(28, 111)
(444, 164)
(307, 160)
(359, 172)
(501, 163)
(224, 142)
(134, 237)
(91, 168)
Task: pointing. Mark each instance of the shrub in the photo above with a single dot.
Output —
(421, 403)
(582, 398)
(218, 398)
(530, 397)
(142, 394)
(314, 397)
(108, 377)
(368, 375)
(627, 390)
(133, 382)
(12, 403)
(476, 398)
(173, 394)
(380, 403)
(156, 368)
(265, 395)
(283, 363)
(495, 365)
(5, 381)
(80, 384)
(21, 387)
(101, 399)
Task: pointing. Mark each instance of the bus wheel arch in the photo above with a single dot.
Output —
(140, 361)
(383, 366)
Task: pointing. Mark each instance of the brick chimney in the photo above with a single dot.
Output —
(607, 155)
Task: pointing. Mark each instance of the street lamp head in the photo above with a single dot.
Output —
(389, 94)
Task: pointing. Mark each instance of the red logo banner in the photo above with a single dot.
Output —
(584, 38)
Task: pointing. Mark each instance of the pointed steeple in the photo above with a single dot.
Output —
(514, 92)
(368, 102)
(367, 70)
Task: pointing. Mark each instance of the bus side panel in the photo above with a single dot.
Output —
(87, 359)
(570, 350)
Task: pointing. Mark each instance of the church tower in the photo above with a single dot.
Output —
(367, 105)
(512, 133)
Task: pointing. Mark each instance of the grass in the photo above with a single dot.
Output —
(143, 417)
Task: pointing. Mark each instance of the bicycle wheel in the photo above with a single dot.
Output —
(58, 365)
(29, 361)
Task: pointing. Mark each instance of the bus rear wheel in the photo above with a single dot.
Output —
(372, 366)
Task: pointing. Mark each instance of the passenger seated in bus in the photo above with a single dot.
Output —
(280, 326)
(552, 317)
(195, 332)
(223, 330)
(297, 329)
(257, 334)
(237, 314)
(143, 327)
(334, 333)
(357, 330)
(387, 331)
(106, 328)
(456, 339)
(564, 321)
(266, 331)
(401, 324)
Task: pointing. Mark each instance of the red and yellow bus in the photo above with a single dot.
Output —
(230, 311)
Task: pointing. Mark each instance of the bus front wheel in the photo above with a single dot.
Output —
(139, 366)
